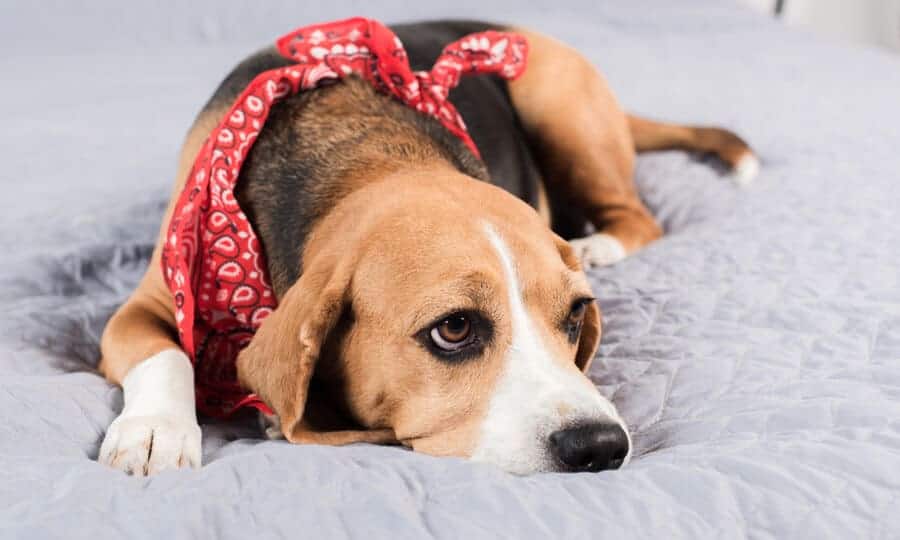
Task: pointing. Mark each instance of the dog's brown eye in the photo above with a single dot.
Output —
(452, 333)
(456, 336)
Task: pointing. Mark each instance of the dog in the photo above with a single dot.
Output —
(426, 297)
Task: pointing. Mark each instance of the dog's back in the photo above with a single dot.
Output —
(316, 140)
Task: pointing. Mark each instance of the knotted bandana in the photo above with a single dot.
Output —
(212, 260)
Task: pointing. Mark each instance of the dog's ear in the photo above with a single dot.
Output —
(279, 362)
(590, 337)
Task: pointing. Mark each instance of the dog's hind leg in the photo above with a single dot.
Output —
(732, 150)
(586, 145)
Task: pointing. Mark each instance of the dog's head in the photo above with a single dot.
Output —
(444, 309)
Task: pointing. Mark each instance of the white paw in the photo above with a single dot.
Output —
(145, 445)
(158, 428)
(599, 249)
(746, 170)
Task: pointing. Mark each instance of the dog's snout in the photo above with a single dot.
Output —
(590, 447)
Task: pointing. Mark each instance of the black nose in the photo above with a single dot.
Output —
(590, 447)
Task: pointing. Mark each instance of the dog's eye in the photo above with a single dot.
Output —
(575, 318)
(456, 336)
(452, 333)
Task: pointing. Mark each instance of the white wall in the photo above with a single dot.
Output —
(866, 21)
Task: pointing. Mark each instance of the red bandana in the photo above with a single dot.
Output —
(211, 260)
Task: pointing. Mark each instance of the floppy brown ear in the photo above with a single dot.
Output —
(590, 338)
(279, 361)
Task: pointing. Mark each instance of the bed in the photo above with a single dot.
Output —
(755, 350)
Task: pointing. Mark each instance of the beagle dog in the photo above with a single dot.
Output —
(426, 297)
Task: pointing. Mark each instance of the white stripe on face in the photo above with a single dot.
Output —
(534, 395)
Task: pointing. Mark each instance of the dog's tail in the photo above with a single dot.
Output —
(650, 135)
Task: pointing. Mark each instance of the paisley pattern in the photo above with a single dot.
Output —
(212, 260)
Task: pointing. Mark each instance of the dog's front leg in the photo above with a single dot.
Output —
(157, 429)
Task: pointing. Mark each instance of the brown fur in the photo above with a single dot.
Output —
(397, 242)
(649, 135)
(395, 289)
(589, 159)
(342, 136)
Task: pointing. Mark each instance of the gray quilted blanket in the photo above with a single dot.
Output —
(755, 349)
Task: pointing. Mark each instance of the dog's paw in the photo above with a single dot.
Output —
(599, 249)
(145, 445)
(746, 170)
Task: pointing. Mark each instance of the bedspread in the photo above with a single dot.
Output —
(755, 350)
